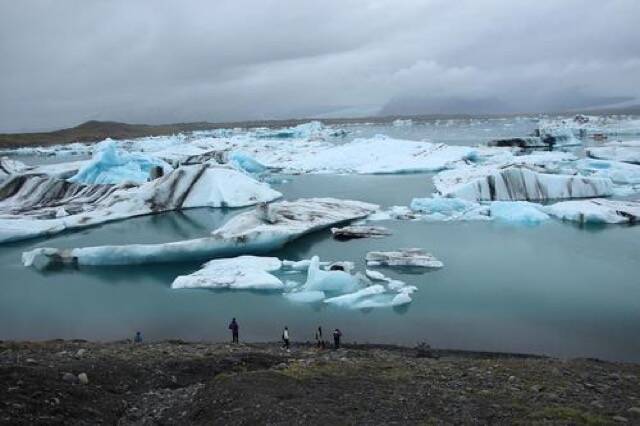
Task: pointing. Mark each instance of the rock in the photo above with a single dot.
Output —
(634, 410)
(31, 361)
(69, 378)
(620, 419)
(511, 378)
(536, 388)
(83, 379)
(80, 353)
(281, 366)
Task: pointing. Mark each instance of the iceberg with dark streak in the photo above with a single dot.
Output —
(626, 154)
(596, 211)
(37, 205)
(266, 228)
(514, 183)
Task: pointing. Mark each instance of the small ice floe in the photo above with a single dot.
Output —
(517, 183)
(266, 228)
(596, 211)
(239, 273)
(359, 231)
(626, 154)
(558, 136)
(446, 209)
(518, 212)
(402, 123)
(415, 257)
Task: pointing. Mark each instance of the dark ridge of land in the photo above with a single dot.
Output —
(176, 382)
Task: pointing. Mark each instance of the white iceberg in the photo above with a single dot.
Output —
(558, 136)
(380, 155)
(351, 300)
(512, 183)
(331, 281)
(239, 273)
(266, 228)
(305, 296)
(110, 166)
(518, 212)
(627, 154)
(30, 205)
(414, 257)
(441, 208)
(244, 161)
(596, 211)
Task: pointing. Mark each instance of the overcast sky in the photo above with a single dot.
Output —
(64, 62)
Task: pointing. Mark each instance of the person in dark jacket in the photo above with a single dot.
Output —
(233, 326)
(138, 337)
(337, 334)
(319, 341)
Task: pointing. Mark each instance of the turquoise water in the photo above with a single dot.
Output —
(556, 288)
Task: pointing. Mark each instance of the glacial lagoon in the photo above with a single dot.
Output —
(554, 288)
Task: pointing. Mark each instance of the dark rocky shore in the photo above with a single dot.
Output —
(173, 382)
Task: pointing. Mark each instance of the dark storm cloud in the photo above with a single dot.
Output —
(63, 62)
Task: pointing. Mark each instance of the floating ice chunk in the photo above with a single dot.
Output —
(380, 155)
(37, 199)
(246, 233)
(310, 130)
(305, 296)
(110, 166)
(244, 161)
(332, 281)
(618, 172)
(352, 300)
(558, 136)
(596, 211)
(359, 231)
(440, 208)
(404, 257)
(518, 212)
(628, 144)
(394, 212)
(375, 275)
(517, 184)
(402, 123)
(382, 301)
(627, 154)
(239, 273)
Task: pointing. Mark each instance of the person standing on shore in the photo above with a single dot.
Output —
(138, 337)
(319, 341)
(285, 338)
(233, 326)
(337, 334)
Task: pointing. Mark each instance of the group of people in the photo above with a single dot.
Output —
(286, 337)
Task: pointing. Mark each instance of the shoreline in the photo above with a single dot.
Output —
(169, 382)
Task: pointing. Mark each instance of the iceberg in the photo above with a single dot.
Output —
(244, 161)
(518, 212)
(381, 155)
(516, 183)
(618, 172)
(238, 273)
(266, 228)
(352, 300)
(359, 231)
(596, 211)
(110, 166)
(626, 154)
(9, 166)
(404, 257)
(35, 205)
(331, 281)
(440, 208)
(558, 136)
(518, 142)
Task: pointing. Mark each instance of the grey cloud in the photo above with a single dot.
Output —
(67, 61)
